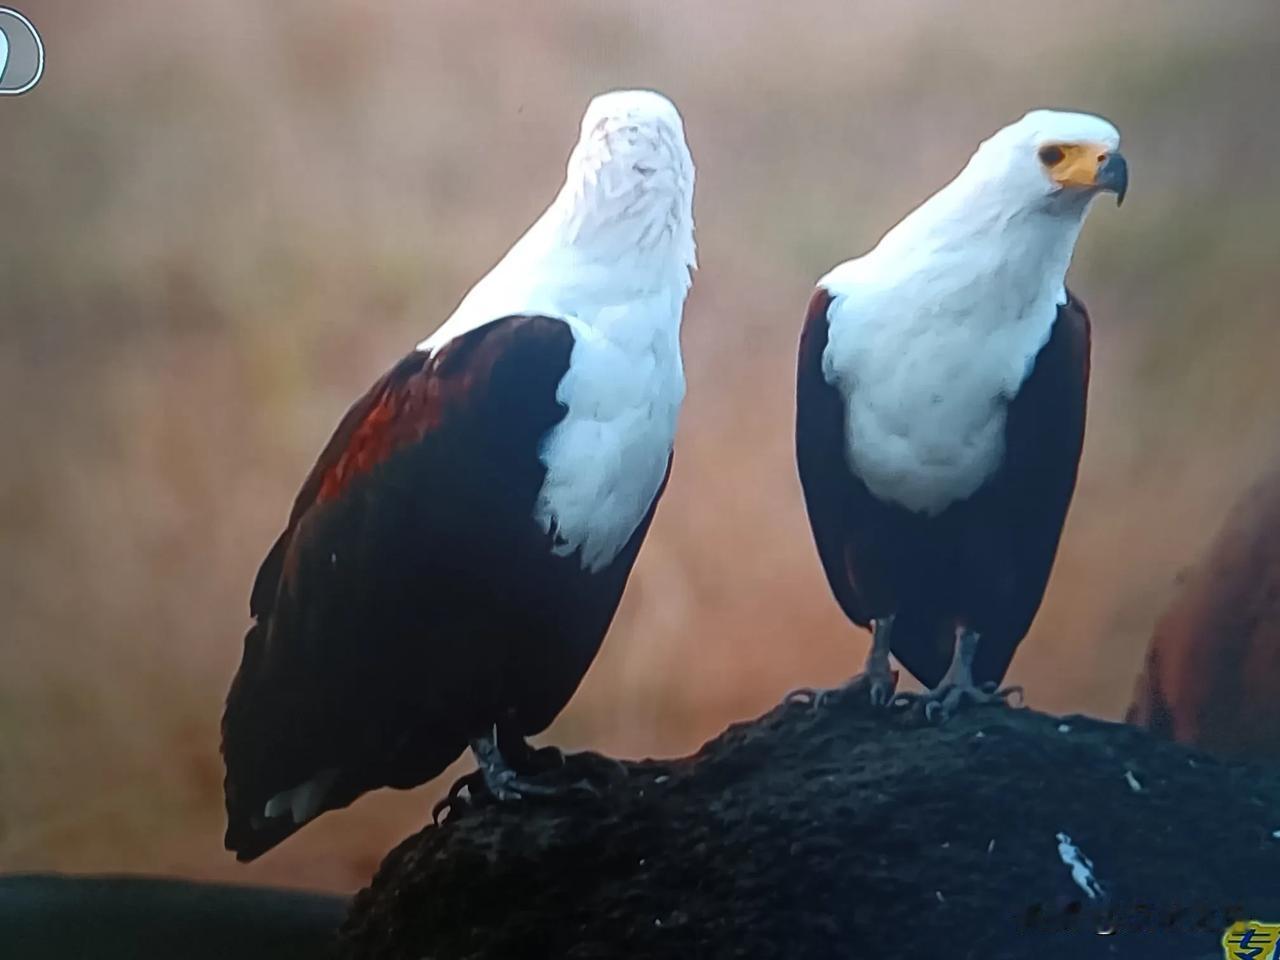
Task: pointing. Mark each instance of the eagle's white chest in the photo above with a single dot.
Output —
(926, 397)
(607, 458)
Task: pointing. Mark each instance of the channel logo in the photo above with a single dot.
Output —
(21, 53)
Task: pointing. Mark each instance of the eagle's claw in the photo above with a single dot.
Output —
(940, 703)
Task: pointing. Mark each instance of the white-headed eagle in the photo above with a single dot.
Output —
(941, 408)
(456, 555)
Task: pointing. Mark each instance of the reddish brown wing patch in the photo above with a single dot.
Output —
(401, 414)
(371, 429)
(414, 398)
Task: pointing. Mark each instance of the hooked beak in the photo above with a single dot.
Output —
(1113, 175)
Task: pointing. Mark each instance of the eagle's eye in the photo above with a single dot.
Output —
(1051, 155)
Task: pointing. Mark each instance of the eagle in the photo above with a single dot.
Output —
(457, 553)
(940, 409)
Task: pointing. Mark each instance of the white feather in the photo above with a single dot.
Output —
(935, 330)
(304, 801)
(611, 257)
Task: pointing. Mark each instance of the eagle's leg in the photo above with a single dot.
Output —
(499, 777)
(877, 679)
(957, 687)
(548, 762)
(508, 768)
(511, 770)
(881, 679)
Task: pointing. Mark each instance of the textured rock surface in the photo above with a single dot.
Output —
(845, 832)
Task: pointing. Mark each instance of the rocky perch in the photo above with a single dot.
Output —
(845, 832)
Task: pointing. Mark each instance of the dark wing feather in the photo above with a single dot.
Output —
(825, 477)
(428, 480)
(1009, 530)
(1044, 437)
(1003, 539)
(335, 452)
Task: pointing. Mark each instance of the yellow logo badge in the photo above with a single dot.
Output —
(1251, 940)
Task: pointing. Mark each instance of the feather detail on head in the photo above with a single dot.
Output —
(620, 227)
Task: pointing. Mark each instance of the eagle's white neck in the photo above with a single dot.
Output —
(611, 257)
(934, 331)
(981, 253)
(620, 230)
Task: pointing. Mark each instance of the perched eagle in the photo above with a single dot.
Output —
(457, 553)
(941, 408)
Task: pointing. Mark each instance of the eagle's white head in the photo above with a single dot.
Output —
(629, 182)
(1049, 161)
(1010, 219)
(933, 330)
(617, 240)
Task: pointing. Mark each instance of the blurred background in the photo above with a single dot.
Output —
(222, 221)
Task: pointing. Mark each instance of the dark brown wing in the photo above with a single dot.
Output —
(1007, 532)
(362, 666)
(833, 495)
(375, 424)
(1044, 436)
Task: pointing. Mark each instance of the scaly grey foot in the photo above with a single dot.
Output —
(940, 703)
(875, 685)
(505, 785)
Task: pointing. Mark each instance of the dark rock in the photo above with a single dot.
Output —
(847, 832)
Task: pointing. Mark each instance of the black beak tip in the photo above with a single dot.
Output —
(1114, 176)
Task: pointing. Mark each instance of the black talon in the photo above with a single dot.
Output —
(942, 701)
(453, 803)
(877, 686)
(877, 682)
(516, 771)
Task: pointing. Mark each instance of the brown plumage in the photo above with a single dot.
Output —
(1212, 673)
(941, 393)
(456, 555)
(412, 602)
(983, 561)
